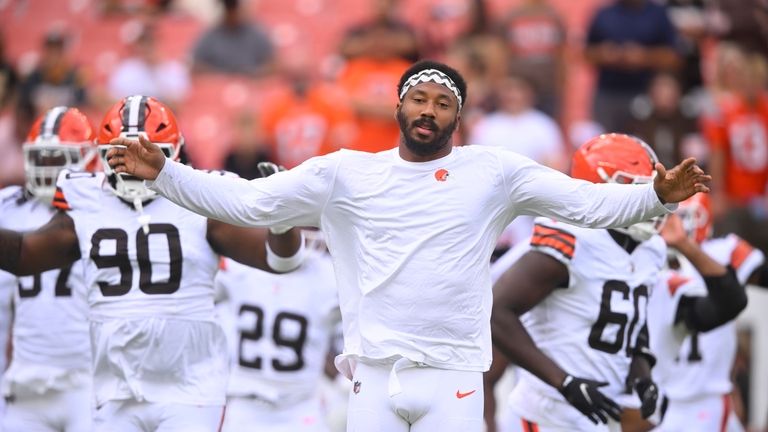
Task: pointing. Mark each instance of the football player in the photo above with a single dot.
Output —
(283, 325)
(160, 359)
(48, 383)
(696, 347)
(411, 231)
(583, 293)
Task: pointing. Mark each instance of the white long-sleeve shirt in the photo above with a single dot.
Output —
(411, 242)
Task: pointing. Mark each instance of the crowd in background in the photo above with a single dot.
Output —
(284, 81)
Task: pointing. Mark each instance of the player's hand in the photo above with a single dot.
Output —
(680, 182)
(266, 169)
(138, 158)
(585, 396)
(649, 395)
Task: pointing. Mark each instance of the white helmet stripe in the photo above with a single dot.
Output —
(133, 125)
(50, 125)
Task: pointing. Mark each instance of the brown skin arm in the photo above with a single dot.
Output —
(52, 246)
(531, 279)
(246, 245)
(490, 378)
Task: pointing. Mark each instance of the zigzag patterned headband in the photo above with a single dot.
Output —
(431, 75)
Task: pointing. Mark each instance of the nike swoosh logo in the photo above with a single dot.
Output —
(583, 388)
(461, 395)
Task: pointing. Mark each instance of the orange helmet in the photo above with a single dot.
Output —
(619, 158)
(696, 216)
(614, 158)
(133, 116)
(62, 138)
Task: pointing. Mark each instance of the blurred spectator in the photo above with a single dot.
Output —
(248, 148)
(368, 83)
(477, 52)
(744, 23)
(310, 118)
(628, 41)
(11, 162)
(517, 126)
(8, 78)
(234, 45)
(482, 59)
(669, 127)
(147, 73)
(690, 20)
(384, 36)
(55, 81)
(737, 131)
(376, 54)
(447, 22)
(536, 39)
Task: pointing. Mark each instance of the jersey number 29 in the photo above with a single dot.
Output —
(293, 342)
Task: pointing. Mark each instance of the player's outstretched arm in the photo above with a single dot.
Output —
(725, 298)
(537, 190)
(292, 198)
(257, 247)
(681, 182)
(54, 245)
(532, 278)
(277, 249)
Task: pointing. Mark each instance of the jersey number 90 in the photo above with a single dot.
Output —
(121, 260)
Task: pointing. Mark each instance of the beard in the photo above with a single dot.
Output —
(440, 138)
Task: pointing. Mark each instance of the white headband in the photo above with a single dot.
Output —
(431, 75)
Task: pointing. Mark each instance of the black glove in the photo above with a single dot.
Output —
(584, 395)
(649, 395)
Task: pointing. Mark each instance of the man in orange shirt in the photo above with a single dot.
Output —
(377, 53)
(310, 118)
(738, 135)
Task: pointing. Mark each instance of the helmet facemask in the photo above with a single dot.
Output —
(45, 159)
(61, 138)
(129, 187)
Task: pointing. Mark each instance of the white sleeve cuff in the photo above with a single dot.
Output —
(285, 264)
(166, 171)
(668, 208)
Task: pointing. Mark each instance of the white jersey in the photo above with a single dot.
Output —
(283, 324)
(700, 363)
(153, 329)
(591, 326)
(411, 242)
(51, 345)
